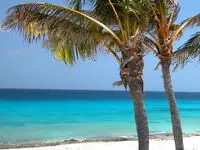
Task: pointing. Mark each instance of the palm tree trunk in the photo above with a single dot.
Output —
(176, 124)
(135, 83)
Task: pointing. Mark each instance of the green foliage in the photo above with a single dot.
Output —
(76, 33)
(166, 30)
(188, 51)
(80, 4)
(192, 21)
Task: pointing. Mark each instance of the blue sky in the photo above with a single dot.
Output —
(25, 65)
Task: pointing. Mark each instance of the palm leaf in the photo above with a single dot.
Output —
(69, 52)
(51, 16)
(68, 35)
(81, 4)
(189, 22)
(129, 12)
(188, 51)
(192, 21)
(152, 43)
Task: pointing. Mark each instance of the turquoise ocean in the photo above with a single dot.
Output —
(56, 115)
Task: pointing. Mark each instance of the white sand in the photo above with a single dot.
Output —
(191, 143)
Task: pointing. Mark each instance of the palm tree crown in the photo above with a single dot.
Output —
(74, 33)
(167, 31)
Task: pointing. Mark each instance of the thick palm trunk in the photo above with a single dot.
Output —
(135, 83)
(176, 124)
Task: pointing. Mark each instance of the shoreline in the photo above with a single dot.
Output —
(96, 140)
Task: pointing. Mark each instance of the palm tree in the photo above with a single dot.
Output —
(74, 33)
(160, 40)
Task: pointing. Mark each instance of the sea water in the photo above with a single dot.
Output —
(54, 115)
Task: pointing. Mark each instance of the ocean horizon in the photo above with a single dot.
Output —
(29, 115)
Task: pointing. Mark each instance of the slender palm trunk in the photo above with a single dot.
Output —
(135, 83)
(176, 124)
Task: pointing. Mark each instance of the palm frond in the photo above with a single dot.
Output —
(70, 35)
(129, 12)
(152, 43)
(76, 4)
(49, 16)
(189, 22)
(109, 48)
(161, 11)
(188, 51)
(173, 28)
(70, 52)
(176, 11)
(81, 4)
(192, 21)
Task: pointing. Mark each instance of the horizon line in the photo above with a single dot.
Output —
(43, 89)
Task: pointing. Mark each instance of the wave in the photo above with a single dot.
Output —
(153, 135)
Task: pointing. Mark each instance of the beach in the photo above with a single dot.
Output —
(191, 143)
